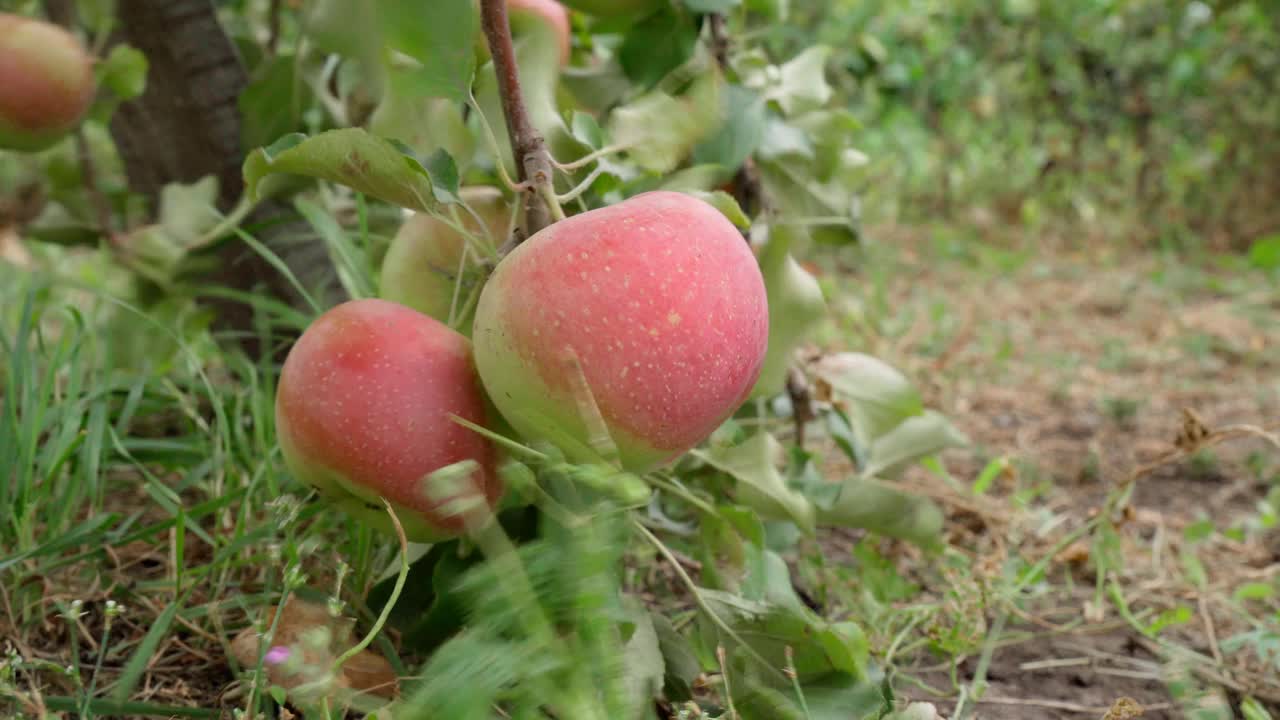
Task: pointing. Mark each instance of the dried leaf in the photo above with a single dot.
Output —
(307, 640)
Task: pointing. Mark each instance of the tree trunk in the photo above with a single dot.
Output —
(186, 126)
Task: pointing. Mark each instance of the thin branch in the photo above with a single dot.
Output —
(533, 161)
(801, 402)
(273, 26)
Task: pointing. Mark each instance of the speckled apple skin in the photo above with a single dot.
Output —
(662, 304)
(362, 412)
(46, 83)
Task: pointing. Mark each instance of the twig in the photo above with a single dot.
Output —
(801, 402)
(533, 161)
(748, 189)
(273, 26)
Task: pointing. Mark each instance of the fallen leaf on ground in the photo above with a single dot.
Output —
(306, 641)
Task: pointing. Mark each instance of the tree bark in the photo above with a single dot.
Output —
(186, 126)
(533, 162)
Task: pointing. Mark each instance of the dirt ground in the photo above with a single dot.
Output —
(1089, 372)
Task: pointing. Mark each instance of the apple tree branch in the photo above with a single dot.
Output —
(533, 161)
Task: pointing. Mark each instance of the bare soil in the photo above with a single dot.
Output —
(1087, 374)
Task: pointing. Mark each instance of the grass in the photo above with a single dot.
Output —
(146, 516)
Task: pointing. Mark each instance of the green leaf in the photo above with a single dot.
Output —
(645, 666)
(268, 105)
(586, 129)
(802, 83)
(777, 10)
(188, 211)
(426, 124)
(657, 45)
(596, 87)
(760, 486)
(878, 396)
(742, 132)
(1265, 253)
(915, 438)
(796, 307)
(661, 130)
(711, 6)
(1254, 591)
(679, 661)
(444, 176)
(346, 27)
(873, 505)
(440, 35)
(351, 157)
(818, 648)
(124, 71)
(727, 206)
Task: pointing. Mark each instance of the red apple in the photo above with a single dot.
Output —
(424, 266)
(362, 412)
(662, 305)
(46, 83)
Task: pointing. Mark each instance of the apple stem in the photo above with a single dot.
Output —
(582, 187)
(533, 161)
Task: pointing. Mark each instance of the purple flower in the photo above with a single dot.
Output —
(277, 655)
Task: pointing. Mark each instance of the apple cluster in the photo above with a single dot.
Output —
(649, 314)
(647, 320)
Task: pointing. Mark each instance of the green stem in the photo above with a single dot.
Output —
(391, 602)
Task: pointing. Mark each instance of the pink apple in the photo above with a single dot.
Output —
(46, 83)
(660, 302)
(362, 412)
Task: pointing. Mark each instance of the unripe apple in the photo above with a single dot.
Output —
(656, 302)
(362, 412)
(615, 8)
(424, 267)
(46, 83)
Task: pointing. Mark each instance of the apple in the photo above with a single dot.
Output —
(654, 307)
(46, 83)
(362, 412)
(615, 8)
(424, 267)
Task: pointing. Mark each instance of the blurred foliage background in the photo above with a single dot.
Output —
(1156, 121)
